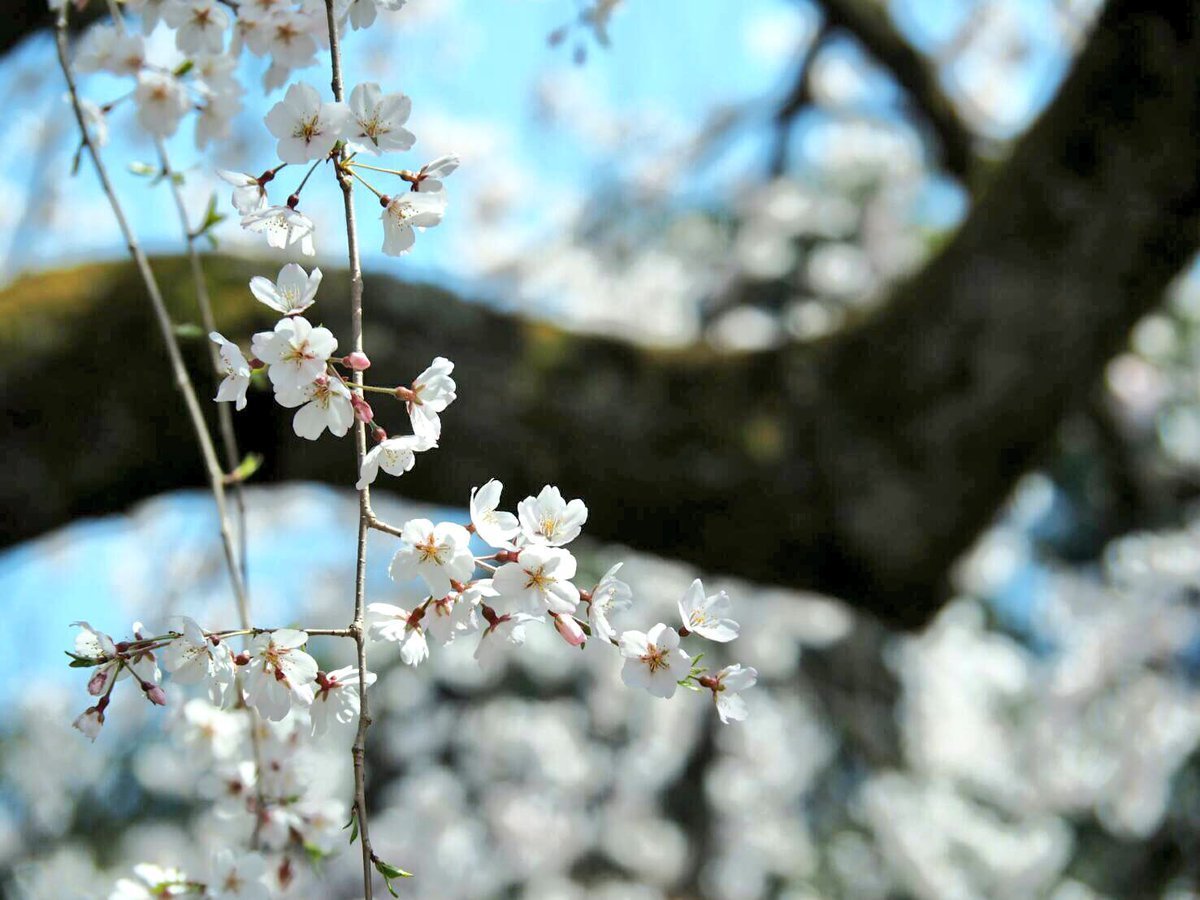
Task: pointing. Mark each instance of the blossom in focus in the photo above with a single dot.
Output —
(405, 212)
(432, 391)
(432, 174)
(161, 102)
(324, 402)
(548, 519)
(280, 673)
(611, 595)
(707, 616)
(283, 226)
(502, 632)
(376, 120)
(654, 661)
(394, 455)
(726, 687)
(293, 291)
(295, 351)
(249, 195)
(237, 372)
(306, 127)
(539, 581)
(496, 528)
(438, 554)
(193, 658)
(336, 698)
(386, 622)
(93, 644)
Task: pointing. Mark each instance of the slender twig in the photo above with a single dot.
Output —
(216, 477)
(358, 749)
(380, 525)
(204, 303)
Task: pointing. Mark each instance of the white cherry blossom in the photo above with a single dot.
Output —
(432, 174)
(89, 722)
(438, 554)
(199, 26)
(280, 673)
(237, 372)
(249, 195)
(386, 622)
(376, 121)
(290, 43)
(283, 226)
(726, 687)
(405, 212)
(447, 617)
(292, 292)
(394, 455)
(495, 527)
(237, 876)
(503, 632)
(707, 616)
(105, 49)
(93, 644)
(324, 403)
(654, 661)
(548, 519)
(161, 102)
(336, 698)
(431, 393)
(295, 351)
(611, 595)
(306, 127)
(539, 581)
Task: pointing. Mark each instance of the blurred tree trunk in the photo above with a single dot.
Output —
(862, 466)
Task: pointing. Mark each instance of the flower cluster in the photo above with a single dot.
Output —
(529, 577)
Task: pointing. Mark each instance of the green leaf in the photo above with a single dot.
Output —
(246, 468)
(143, 169)
(183, 68)
(81, 662)
(211, 218)
(353, 826)
(388, 871)
(189, 331)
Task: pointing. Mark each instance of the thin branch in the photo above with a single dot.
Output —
(358, 749)
(869, 23)
(204, 303)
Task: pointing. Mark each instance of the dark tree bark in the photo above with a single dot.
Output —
(861, 467)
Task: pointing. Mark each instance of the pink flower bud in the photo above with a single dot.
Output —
(362, 409)
(570, 630)
(357, 361)
(98, 682)
(156, 695)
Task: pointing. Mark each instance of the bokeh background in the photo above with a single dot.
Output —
(881, 316)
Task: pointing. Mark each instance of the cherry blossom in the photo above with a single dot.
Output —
(292, 292)
(501, 632)
(432, 174)
(324, 402)
(707, 616)
(161, 102)
(290, 42)
(237, 372)
(295, 351)
(432, 391)
(283, 226)
(105, 49)
(96, 645)
(193, 658)
(439, 554)
(539, 581)
(306, 127)
(394, 455)
(152, 881)
(405, 212)
(654, 661)
(376, 120)
(237, 876)
(454, 614)
(496, 528)
(548, 519)
(199, 25)
(386, 622)
(336, 698)
(90, 722)
(726, 687)
(610, 595)
(249, 194)
(280, 673)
